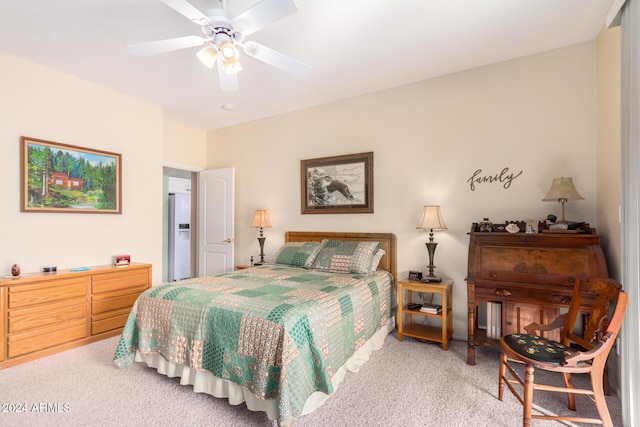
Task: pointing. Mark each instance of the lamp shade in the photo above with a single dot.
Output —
(207, 55)
(431, 219)
(261, 220)
(229, 55)
(562, 188)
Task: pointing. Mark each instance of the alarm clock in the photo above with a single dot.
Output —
(415, 275)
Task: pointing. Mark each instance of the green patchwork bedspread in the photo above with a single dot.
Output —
(281, 332)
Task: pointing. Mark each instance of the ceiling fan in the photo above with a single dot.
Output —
(222, 35)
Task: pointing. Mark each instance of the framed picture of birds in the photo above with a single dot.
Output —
(338, 184)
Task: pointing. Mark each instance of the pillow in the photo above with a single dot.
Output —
(312, 258)
(346, 257)
(296, 254)
(376, 260)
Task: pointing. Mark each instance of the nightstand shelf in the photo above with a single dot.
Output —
(441, 334)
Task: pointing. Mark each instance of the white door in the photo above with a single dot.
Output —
(215, 221)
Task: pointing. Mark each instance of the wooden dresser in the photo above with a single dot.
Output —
(45, 313)
(528, 274)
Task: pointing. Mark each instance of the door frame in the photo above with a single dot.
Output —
(179, 171)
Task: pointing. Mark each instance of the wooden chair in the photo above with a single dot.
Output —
(535, 352)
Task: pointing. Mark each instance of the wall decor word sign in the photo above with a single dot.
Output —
(58, 177)
(504, 177)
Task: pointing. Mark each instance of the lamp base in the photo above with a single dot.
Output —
(261, 240)
(431, 279)
(431, 249)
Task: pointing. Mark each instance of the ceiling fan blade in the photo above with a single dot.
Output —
(228, 82)
(262, 14)
(275, 58)
(185, 8)
(161, 46)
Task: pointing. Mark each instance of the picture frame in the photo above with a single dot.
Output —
(531, 226)
(63, 178)
(338, 184)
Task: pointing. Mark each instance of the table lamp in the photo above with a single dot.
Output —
(261, 220)
(431, 219)
(562, 189)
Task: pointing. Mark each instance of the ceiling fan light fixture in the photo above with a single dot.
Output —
(221, 34)
(229, 55)
(232, 67)
(207, 55)
(229, 52)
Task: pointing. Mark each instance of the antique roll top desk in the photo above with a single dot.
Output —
(528, 274)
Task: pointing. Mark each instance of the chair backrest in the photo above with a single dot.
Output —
(597, 356)
(601, 296)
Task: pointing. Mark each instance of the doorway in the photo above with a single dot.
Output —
(191, 177)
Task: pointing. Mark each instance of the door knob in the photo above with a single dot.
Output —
(228, 240)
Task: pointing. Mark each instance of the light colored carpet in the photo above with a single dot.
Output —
(407, 383)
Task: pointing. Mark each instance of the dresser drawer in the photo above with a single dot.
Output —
(3, 321)
(23, 319)
(121, 281)
(104, 304)
(103, 323)
(46, 292)
(113, 296)
(46, 337)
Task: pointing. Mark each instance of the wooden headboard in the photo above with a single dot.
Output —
(387, 242)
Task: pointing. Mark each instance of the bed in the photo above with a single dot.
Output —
(279, 337)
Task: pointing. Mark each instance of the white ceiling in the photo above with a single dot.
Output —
(353, 46)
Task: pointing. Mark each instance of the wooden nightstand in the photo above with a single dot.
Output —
(431, 333)
(243, 266)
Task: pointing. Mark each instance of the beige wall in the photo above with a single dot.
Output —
(184, 146)
(535, 114)
(609, 145)
(41, 103)
(608, 151)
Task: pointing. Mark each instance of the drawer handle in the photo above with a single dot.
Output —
(501, 292)
(493, 274)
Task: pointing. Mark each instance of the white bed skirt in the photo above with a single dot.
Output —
(206, 382)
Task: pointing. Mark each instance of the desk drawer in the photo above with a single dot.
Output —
(534, 295)
(541, 265)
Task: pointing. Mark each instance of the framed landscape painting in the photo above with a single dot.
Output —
(339, 184)
(58, 177)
